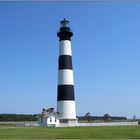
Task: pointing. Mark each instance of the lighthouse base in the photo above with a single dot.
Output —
(68, 122)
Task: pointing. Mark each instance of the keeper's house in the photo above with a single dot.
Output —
(49, 117)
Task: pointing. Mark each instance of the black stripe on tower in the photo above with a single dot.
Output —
(65, 33)
(65, 62)
(65, 92)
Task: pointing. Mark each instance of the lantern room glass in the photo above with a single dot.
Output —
(64, 23)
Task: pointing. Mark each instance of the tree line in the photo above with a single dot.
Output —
(105, 117)
(18, 117)
(33, 117)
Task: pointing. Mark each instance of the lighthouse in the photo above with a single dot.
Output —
(65, 88)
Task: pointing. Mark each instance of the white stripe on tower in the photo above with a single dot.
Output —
(65, 77)
(65, 47)
(65, 90)
(67, 109)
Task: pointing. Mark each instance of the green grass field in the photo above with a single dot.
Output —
(98, 132)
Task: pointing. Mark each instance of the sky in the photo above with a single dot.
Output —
(105, 49)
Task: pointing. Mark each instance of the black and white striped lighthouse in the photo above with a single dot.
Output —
(65, 89)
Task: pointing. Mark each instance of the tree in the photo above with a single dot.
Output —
(106, 117)
(88, 116)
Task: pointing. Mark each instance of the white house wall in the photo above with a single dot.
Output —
(52, 122)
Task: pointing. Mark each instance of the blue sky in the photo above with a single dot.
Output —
(106, 55)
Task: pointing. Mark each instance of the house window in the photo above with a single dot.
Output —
(50, 119)
(55, 120)
(41, 119)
